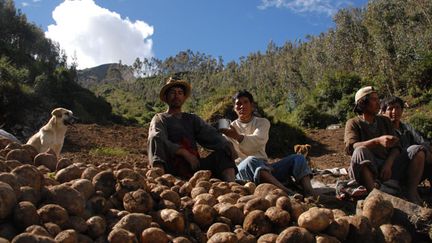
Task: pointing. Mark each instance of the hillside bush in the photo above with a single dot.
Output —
(308, 115)
(422, 123)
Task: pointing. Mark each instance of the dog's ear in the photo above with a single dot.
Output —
(57, 112)
(296, 148)
(308, 146)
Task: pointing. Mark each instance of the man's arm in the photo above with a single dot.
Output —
(352, 139)
(160, 148)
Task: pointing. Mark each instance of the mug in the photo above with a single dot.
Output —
(224, 123)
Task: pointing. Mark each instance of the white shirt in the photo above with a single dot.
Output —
(255, 134)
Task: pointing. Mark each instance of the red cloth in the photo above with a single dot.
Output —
(180, 166)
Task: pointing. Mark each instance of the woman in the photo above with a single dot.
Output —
(249, 135)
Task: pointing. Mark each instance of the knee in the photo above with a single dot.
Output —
(300, 159)
(250, 161)
(361, 150)
(420, 156)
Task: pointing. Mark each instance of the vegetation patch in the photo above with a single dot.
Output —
(108, 151)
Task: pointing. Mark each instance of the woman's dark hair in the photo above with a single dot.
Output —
(244, 93)
(391, 101)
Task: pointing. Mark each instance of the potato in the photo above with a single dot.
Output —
(272, 198)
(245, 199)
(68, 198)
(171, 220)
(337, 213)
(105, 181)
(278, 217)
(171, 196)
(394, 234)
(229, 197)
(264, 189)
(257, 223)
(197, 191)
(121, 235)
(216, 228)
(85, 187)
(68, 174)
(206, 184)
(219, 189)
(232, 212)
(153, 234)
(240, 190)
(250, 186)
(138, 201)
(267, 238)
(295, 234)
(181, 239)
(185, 189)
(53, 213)
(315, 219)
(25, 214)
(377, 210)
(205, 198)
(67, 236)
(243, 236)
(284, 203)
(223, 237)
(203, 214)
(258, 203)
(29, 237)
(96, 226)
(202, 175)
(134, 222)
(339, 228)
(297, 209)
(46, 159)
(28, 175)
(8, 200)
(360, 229)
(326, 239)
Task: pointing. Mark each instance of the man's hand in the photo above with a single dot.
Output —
(190, 158)
(232, 133)
(386, 172)
(387, 141)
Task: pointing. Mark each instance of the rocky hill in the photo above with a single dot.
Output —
(106, 73)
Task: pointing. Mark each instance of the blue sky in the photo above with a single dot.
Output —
(97, 32)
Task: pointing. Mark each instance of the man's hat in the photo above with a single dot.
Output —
(362, 93)
(174, 82)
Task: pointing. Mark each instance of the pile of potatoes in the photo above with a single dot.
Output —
(43, 199)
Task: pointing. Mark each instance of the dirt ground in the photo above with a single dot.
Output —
(82, 140)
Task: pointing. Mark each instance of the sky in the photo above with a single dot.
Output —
(95, 32)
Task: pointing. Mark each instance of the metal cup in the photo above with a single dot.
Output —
(224, 123)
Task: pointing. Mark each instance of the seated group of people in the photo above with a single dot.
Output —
(382, 147)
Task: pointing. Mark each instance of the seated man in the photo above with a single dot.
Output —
(375, 150)
(249, 135)
(173, 137)
(411, 141)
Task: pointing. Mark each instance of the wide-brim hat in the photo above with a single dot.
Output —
(174, 82)
(362, 93)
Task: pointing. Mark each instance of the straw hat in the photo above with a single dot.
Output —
(173, 82)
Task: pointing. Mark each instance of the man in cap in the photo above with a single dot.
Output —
(375, 150)
(174, 135)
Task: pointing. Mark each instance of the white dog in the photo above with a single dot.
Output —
(53, 133)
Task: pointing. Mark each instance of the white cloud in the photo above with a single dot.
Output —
(328, 7)
(24, 4)
(96, 35)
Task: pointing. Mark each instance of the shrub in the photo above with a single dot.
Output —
(307, 115)
(422, 124)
